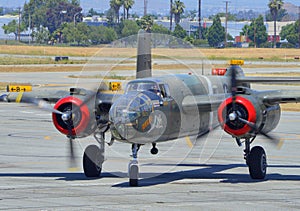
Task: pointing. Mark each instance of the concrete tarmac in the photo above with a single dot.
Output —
(211, 175)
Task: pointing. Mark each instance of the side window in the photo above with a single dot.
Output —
(165, 91)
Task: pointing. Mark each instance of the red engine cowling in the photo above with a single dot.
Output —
(246, 109)
(83, 121)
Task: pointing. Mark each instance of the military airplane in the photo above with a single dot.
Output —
(158, 109)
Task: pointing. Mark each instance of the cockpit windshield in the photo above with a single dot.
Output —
(142, 86)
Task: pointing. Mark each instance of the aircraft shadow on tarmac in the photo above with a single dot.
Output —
(204, 171)
(212, 171)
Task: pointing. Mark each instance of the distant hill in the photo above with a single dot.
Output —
(292, 11)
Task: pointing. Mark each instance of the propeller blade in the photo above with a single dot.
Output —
(46, 106)
(85, 101)
(273, 139)
(70, 137)
(42, 104)
(233, 88)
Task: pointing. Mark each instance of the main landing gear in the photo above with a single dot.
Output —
(93, 157)
(256, 159)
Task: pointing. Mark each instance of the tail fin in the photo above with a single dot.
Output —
(143, 65)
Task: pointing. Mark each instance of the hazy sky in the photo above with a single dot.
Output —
(155, 5)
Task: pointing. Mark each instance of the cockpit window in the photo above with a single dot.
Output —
(142, 86)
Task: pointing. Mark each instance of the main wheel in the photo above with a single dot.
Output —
(257, 162)
(92, 161)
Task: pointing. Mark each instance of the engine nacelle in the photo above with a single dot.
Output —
(260, 116)
(83, 117)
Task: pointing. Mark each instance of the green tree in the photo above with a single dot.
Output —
(290, 32)
(78, 33)
(42, 36)
(130, 28)
(275, 6)
(13, 27)
(177, 10)
(115, 5)
(146, 23)
(92, 12)
(216, 33)
(179, 32)
(50, 13)
(257, 31)
(61, 13)
(160, 29)
(102, 35)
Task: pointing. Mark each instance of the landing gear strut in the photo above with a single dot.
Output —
(133, 167)
(256, 159)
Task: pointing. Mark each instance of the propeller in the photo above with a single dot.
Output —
(236, 116)
(233, 88)
(66, 116)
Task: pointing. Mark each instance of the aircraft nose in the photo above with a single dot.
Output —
(131, 116)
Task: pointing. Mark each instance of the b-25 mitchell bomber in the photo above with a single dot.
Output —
(158, 109)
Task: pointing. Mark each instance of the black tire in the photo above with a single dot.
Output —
(154, 151)
(92, 161)
(133, 182)
(257, 163)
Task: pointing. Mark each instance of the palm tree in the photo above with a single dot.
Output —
(127, 4)
(275, 6)
(171, 14)
(115, 5)
(177, 10)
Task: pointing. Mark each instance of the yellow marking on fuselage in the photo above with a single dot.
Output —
(146, 123)
(189, 142)
(19, 97)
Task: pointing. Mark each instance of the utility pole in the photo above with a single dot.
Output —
(226, 20)
(299, 26)
(19, 25)
(199, 19)
(145, 7)
(171, 14)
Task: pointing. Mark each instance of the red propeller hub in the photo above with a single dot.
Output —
(229, 115)
(79, 116)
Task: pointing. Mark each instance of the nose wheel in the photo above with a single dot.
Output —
(133, 167)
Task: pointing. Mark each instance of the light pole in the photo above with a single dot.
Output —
(226, 20)
(61, 16)
(74, 17)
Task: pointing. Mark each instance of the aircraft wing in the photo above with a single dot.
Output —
(268, 80)
(205, 103)
(279, 96)
(51, 96)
